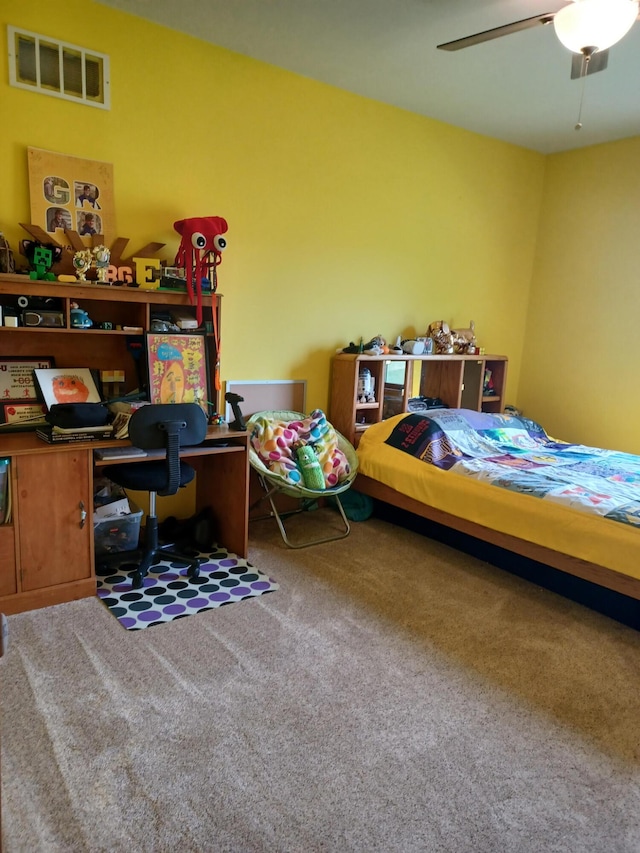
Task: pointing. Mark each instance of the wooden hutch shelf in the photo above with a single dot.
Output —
(47, 548)
(458, 380)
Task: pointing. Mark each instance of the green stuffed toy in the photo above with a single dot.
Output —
(310, 468)
(42, 258)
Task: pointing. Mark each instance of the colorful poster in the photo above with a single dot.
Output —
(177, 367)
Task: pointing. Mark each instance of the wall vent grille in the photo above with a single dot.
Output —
(42, 64)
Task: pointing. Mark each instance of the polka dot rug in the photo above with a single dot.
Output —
(167, 593)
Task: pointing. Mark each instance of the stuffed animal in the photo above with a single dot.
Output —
(376, 346)
(200, 252)
(41, 257)
(310, 468)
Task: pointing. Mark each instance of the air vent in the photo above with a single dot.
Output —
(56, 68)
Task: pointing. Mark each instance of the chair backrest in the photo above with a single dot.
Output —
(168, 426)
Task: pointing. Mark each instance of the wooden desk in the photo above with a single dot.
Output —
(47, 551)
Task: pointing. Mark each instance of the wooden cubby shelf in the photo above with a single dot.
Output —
(458, 380)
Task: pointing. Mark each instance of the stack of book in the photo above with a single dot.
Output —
(54, 434)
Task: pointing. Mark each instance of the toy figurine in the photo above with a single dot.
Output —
(101, 257)
(41, 257)
(82, 261)
(200, 253)
(366, 386)
(376, 346)
(79, 318)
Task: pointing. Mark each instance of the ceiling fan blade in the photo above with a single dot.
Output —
(497, 32)
(580, 67)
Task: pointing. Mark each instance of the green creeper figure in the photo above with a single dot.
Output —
(42, 263)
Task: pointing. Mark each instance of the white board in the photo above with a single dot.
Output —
(267, 395)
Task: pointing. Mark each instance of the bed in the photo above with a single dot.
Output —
(501, 479)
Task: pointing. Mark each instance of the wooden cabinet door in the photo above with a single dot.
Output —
(53, 491)
(8, 584)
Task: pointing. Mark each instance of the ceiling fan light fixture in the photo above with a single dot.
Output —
(594, 24)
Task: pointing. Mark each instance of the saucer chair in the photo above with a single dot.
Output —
(275, 484)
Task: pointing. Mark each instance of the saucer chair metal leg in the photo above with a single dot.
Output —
(279, 517)
(268, 492)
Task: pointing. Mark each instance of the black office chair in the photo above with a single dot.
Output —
(166, 426)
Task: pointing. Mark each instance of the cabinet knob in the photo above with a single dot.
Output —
(83, 515)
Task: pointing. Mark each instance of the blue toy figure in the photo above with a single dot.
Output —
(79, 318)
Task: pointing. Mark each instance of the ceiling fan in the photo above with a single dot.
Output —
(587, 27)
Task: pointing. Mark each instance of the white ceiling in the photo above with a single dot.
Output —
(516, 88)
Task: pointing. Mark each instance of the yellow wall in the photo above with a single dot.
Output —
(346, 217)
(349, 217)
(579, 375)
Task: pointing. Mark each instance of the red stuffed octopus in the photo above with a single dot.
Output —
(200, 252)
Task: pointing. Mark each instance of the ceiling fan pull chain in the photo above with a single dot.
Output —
(584, 81)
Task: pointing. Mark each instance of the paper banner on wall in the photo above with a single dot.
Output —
(72, 193)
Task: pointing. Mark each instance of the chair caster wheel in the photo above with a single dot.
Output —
(136, 580)
(193, 572)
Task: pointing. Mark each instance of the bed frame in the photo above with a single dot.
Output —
(564, 562)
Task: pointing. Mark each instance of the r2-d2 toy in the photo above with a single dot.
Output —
(366, 386)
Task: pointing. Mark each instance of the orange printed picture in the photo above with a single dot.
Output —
(67, 385)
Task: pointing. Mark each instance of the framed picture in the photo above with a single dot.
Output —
(20, 405)
(178, 370)
(16, 377)
(67, 385)
(71, 193)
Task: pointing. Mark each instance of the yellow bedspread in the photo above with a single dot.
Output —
(595, 539)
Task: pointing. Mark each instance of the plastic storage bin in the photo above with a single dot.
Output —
(120, 533)
(4, 488)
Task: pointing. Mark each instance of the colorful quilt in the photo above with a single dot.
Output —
(516, 454)
(274, 441)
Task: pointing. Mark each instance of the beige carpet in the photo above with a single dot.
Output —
(393, 695)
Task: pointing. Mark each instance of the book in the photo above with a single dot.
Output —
(127, 452)
(47, 434)
(75, 430)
